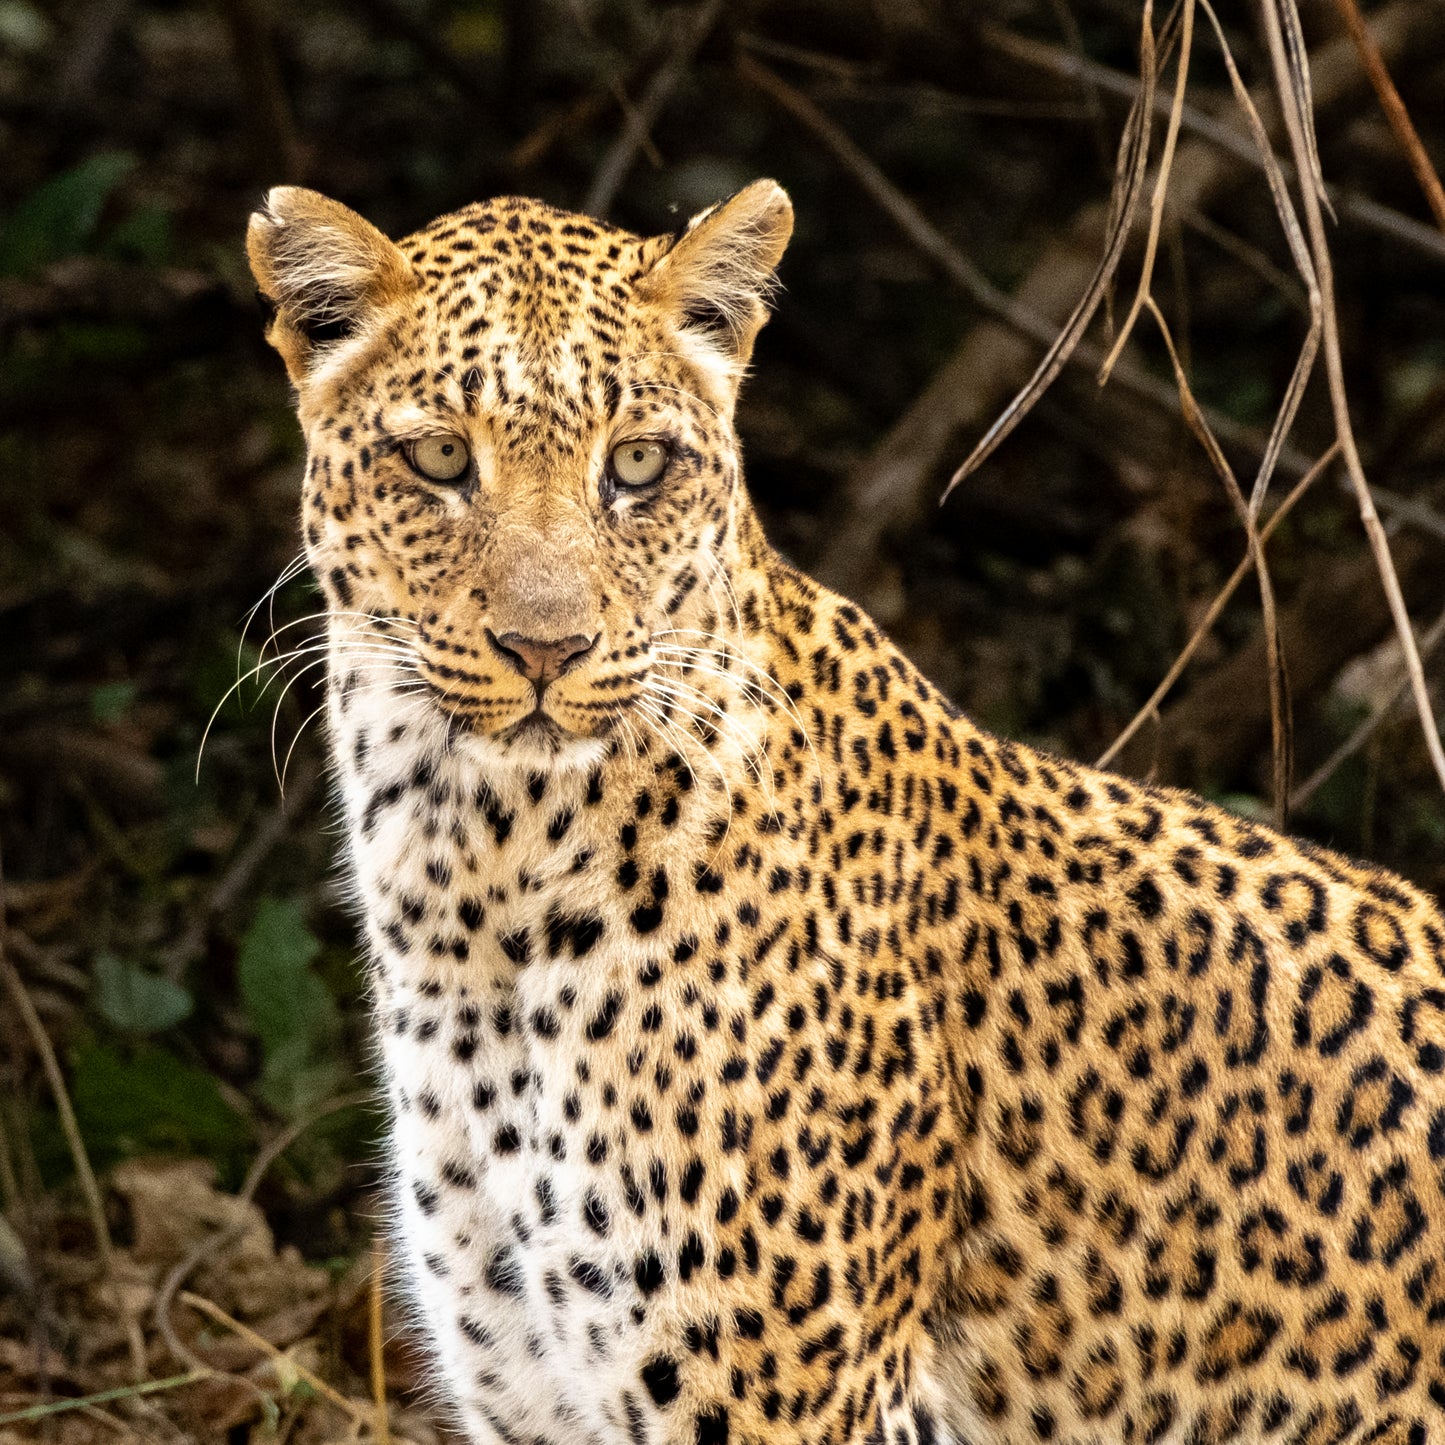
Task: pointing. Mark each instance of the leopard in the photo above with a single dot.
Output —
(771, 1053)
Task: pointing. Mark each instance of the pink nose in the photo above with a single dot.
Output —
(540, 662)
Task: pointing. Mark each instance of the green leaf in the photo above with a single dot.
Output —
(111, 701)
(145, 1100)
(23, 28)
(59, 217)
(291, 1009)
(292, 1081)
(133, 999)
(277, 987)
(477, 32)
(144, 235)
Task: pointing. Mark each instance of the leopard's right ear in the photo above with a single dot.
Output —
(323, 269)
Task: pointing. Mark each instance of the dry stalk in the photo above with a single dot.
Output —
(1281, 727)
(1161, 187)
(931, 243)
(1281, 28)
(1221, 600)
(1359, 209)
(1394, 108)
(1368, 726)
(1284, 208)
(1129, 172)
(34, 1414)
(213, 1311)
(376, 1340)
(94, 1205)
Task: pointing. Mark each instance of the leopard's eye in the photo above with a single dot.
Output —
(442, 458)
(638, 464)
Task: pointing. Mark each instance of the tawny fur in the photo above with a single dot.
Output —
(773, 1055)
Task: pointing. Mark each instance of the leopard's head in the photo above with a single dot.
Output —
(519, 426)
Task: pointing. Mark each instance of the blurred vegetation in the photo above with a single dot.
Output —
(180, 929)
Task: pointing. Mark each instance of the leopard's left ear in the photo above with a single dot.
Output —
(721, 272)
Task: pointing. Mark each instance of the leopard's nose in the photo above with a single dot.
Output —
(541, 661)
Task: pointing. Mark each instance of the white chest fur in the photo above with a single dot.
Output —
(547, 1235)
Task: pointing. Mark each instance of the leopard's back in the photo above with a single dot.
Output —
(1204, 1196)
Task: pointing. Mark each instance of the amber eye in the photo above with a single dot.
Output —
(442, 458)
(638, 464)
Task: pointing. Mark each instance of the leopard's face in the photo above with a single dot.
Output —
(521, 446)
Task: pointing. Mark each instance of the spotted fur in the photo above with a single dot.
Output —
(773, 1055)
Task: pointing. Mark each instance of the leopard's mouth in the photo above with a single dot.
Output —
(537, 726)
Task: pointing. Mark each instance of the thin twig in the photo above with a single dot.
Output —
(1409, 510)
(33, 1413)
(534, 148)
(1052, 59)
(1394, 108)
(213, 1311)
(94, 1204)
(1221, 600)
(1251, 257)
(239, 872)
(1281, 729)
(1299, 124)
(617, 84)
(222, 1237)
(1161, 189)
(693, 30)
(1368, 726)
(957, 267)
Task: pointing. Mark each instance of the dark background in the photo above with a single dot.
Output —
(180, 934)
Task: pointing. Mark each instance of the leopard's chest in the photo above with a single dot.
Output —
(544, 1220)
(544, 1048)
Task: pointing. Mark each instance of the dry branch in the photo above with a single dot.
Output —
(693, 29)
(967, 390)
(1291, 78)
(1337, 612)
(1394, 108)
(1359, 209)
(893, 487)
(94, 1205)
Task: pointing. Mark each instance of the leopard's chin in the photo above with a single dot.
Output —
(538, 743)
(539, 729)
